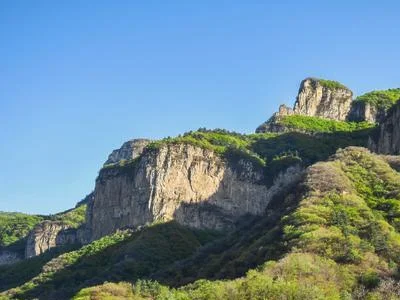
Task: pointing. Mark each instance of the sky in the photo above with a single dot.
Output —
(78, 78)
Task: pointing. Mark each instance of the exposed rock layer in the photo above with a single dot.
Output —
(192, 185)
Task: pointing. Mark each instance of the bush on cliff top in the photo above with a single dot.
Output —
(15, 226)
(383, 99)
(330, 84)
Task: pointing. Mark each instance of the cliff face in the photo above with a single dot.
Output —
(192, 185)
(361, 111)
(43, 237)
(129, 150)
(319, 100)
(387, 140)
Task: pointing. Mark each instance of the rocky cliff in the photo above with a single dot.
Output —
(387, 138)
(129, 150)
(323, 98)
(362, 111)
(192, 185)
(45, 236)
(317, 98)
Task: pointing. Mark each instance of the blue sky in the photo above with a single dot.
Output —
(77, 78)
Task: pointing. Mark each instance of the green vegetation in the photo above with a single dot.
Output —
(73, 217)
(271, 153)
(321, 125)
(15, 226)
(381, 99)
(124, 255)
(330, 84)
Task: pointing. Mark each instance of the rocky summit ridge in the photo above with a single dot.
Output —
(328, 99)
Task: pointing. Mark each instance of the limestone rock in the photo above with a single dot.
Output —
(129, 150)
(387, 139)
(43, 237)
(317, 99)
(192, 185)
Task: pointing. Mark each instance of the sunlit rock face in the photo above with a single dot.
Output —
(316, 99)
(189, 184)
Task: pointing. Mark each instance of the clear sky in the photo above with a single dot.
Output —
(78, 78)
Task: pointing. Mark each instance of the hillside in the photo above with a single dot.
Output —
(340, 241)
(301, 209)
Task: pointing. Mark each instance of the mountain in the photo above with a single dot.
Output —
(301, 209)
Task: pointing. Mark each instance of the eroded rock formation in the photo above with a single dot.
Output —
(190, 184)
(315, 98)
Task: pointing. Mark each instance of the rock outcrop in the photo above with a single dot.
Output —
(192, 185)
(387, 139)
(316, 98)
(129, 150)
(321, 99)
(47, 235)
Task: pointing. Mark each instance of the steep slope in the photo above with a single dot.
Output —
(125, 255)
